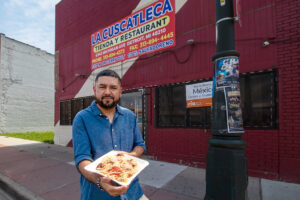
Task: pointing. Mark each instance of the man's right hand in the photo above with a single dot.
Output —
(106, 183)
(90, 176)
(111, 188)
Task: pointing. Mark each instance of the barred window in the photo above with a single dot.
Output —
(65, 112)
(199, 117)
(258, 102)
(87, 101)
(171, 109)
(76, 106)
(69, 108)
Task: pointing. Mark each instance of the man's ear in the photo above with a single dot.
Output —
(94, 89)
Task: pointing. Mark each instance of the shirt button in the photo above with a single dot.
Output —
(116, 146)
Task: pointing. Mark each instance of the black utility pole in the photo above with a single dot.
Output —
(226, 168)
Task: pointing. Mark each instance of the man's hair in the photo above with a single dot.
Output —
(108, 72)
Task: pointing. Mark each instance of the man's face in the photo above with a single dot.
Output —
(107, 91)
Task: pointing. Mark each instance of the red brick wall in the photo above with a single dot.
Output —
(262, 153)
(288, 50)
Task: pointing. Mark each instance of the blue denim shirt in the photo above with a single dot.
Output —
(94, 136)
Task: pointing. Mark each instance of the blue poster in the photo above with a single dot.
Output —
(227, 72)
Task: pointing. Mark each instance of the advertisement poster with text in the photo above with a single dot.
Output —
(145, 31)
(199, 94)
(226, 71)
(234, 112)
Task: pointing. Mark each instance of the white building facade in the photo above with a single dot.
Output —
(26, 87)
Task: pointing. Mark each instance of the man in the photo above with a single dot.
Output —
(100, 128)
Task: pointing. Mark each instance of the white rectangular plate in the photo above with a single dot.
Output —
(142, 164)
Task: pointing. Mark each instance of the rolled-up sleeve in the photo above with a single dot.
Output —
(81, 143)
(138, 139)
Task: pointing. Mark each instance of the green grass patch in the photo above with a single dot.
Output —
(46, 137)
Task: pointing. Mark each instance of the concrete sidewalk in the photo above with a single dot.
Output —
(31, 170)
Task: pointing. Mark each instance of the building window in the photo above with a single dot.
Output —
(258, 102)
(199, 117)
(65, 112)
(69, 108)
(170, 106)
(133, 100)
(76, 106)
(172, 112)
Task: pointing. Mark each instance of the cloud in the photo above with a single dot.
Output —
(13, 3)
(30, 21)
(46, 4)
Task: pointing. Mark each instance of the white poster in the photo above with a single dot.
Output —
(199, 94)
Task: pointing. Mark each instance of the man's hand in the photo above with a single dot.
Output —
(90, 176)
(137, 151)
(106, 183)
(111, 188)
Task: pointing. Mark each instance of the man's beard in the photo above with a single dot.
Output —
(108, 105)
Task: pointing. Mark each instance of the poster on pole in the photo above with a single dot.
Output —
(226, 71)
(199, 94)
(233, 111)
(145, 31)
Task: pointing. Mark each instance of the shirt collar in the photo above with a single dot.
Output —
(97, 111)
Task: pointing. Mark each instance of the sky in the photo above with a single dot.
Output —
(29, 21)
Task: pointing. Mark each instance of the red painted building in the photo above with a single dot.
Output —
(268, 40)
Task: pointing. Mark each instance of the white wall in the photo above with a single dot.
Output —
(26, 88)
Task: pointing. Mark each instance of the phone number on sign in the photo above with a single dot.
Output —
(157, 39)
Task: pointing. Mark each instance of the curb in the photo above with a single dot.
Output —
(16, 190)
